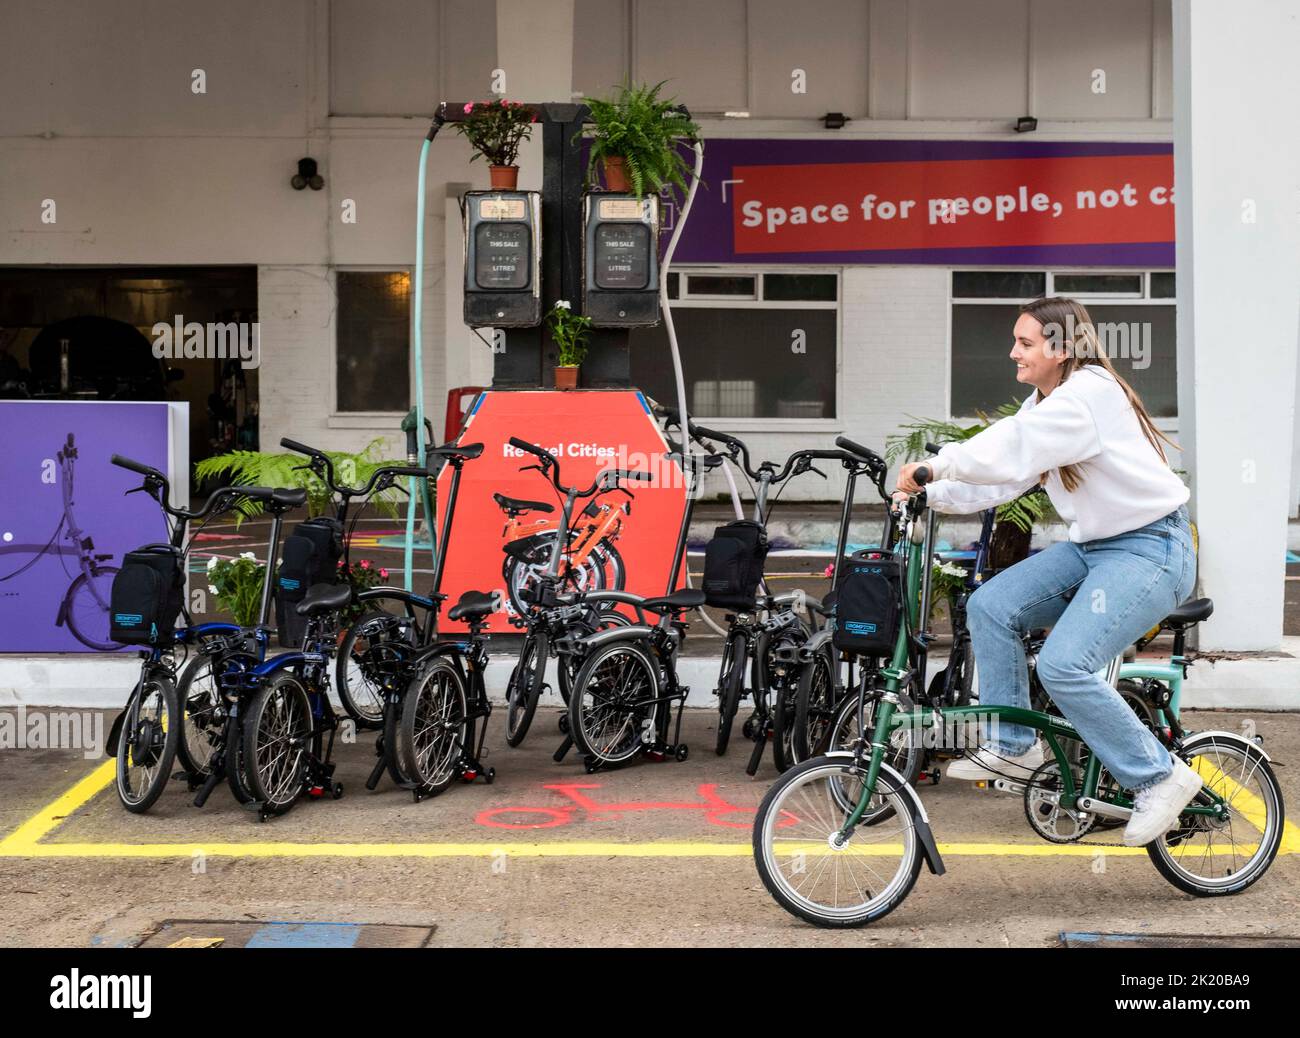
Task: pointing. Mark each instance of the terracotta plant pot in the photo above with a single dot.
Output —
(616, 174)
(504, 178)
(566, 376)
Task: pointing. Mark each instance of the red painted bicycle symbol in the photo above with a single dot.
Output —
(716, 810)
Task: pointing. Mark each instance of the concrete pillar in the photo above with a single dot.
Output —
(1237, 176)
(535, 48)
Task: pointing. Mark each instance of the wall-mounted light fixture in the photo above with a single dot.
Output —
(307, 176)
(1026, 124)
(834, 120)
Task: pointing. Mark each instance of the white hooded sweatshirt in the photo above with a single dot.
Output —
(1086, 421)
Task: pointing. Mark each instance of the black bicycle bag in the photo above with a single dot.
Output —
(147, 595)
(733, 565)
(868, 603)
(310, 556)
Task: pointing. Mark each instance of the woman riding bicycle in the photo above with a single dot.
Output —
(1086, 438)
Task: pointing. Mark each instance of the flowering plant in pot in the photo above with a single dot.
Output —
(635, 137)
(496, 129)
(570, 331)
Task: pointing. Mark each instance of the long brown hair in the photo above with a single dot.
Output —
(1068, 327)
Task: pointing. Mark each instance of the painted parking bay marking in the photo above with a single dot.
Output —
(25, 842)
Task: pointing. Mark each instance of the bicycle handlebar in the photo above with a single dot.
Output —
(606, 479)
(324, 468)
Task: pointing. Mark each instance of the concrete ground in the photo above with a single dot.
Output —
(656, 854)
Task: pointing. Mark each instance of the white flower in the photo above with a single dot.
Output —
(212, 562)
(212, 590)
(562, 304)
(247, 555)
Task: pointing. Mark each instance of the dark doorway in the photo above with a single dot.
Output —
(89, 333)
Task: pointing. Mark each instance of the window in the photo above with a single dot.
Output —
(753, 344)
(374, 340)
(1133, 312)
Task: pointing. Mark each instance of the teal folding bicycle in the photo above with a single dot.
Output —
(840, 840)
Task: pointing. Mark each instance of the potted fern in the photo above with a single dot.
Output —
(569, 331)
(634, 139)
(264, 469)
(1015, 520)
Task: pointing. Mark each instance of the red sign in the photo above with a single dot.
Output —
(942, 204)
(589, 431)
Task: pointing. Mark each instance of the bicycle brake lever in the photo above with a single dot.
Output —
(814, 468)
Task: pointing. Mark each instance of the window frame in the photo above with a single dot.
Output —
(686, 300)
(338, 418)
(1164, 424)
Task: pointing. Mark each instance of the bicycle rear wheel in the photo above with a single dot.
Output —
(203, 710)
(366, 655)
(1212, 857)
(146, 743)
(806, 867)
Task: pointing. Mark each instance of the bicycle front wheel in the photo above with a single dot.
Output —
(815, 874)
(276, 743)
(434, 729)
(613, 709)
(731, 686)
(814, 705)
(146, 744)
(524, 688)
(368, 652)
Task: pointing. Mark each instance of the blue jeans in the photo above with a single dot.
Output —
(1122, 587)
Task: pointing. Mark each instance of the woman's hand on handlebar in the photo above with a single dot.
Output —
(908, 480)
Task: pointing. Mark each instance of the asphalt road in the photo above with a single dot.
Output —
(653, 854)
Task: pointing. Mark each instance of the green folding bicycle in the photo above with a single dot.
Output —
(840, 839)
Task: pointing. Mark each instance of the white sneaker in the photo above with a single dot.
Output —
(985, 764)
(1157, 808)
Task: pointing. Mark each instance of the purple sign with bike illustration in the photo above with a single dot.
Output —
(64, 522)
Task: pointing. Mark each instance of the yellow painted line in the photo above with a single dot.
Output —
(24, 842)
(51, 816)
(1245, 803)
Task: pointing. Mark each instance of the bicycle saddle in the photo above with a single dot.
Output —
(682, 598)
(277, 497)
(1193, 611)
(325, 598)
(472, 605)
(466, 451)
(515, 505)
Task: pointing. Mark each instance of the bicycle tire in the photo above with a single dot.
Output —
(435, 726)
(785, 709)
(367, 712)
(98, 641)
(772, 808)
(815, 703)
(731, 684)
(524, 688)
(211, 713)
(632, 716)
(273, 741)
(149, 740)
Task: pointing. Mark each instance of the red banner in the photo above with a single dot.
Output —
(942, 204)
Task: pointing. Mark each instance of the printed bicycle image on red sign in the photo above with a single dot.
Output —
(937, 202)
(508, 513)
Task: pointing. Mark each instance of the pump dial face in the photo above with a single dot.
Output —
(502, 255)
(622, 260)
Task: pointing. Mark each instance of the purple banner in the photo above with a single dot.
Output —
(64, 523)
(931, 201)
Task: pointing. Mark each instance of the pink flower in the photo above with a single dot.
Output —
(364, 563)
(469, 107)
(383, 574)
(830, 571)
